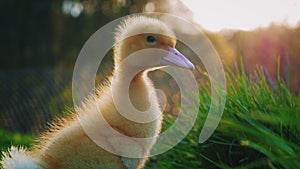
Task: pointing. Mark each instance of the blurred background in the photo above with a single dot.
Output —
(40, 41)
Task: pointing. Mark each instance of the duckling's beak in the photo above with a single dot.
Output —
(175, 58)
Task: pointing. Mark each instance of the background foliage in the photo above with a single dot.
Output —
(39, 44)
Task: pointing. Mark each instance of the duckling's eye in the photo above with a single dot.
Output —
(151, 38)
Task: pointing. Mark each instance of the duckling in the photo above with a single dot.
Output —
(67, 145)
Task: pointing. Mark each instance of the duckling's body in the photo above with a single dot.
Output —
(71, 143)
(67, 145)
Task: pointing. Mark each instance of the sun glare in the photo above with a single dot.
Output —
(215, 15)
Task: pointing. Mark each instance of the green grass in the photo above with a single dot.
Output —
(8, 139)
(260, 128)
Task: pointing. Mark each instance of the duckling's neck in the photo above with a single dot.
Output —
(140, 87)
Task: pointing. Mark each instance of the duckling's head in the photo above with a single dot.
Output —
(141, 32)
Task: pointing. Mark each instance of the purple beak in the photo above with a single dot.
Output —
(175, 58)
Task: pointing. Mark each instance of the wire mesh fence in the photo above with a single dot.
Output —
(29, 98)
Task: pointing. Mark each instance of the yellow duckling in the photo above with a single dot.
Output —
(67, 145)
